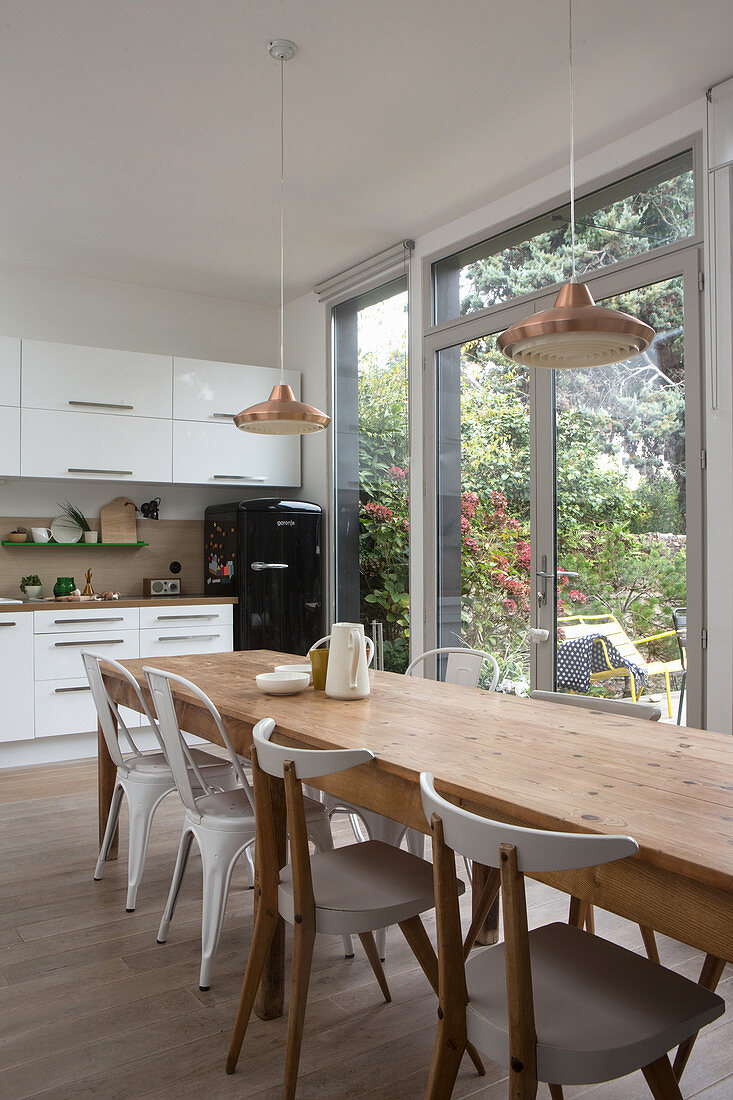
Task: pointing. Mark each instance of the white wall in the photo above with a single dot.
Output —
(45, 305)
(307, 331)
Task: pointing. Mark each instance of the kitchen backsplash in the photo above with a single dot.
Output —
(113, 568)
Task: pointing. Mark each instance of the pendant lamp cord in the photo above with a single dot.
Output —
(572, 137)
(282, 221)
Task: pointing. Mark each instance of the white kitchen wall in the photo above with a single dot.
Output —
(306, 321)
(46, 305)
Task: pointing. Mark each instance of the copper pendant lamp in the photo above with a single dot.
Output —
(281, 414)
(575, 332)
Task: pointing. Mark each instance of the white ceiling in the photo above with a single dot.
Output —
(140, 137)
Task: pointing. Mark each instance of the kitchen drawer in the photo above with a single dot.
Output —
(95, 446)
(217, 454)
(205, 390)
(89, 380)
(71, 618)
(16, 676)
(66, 706)
(206, 614)
(10, 371)
(9, 441)
(175, 641)
(57, 656)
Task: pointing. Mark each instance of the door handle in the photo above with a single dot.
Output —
(88, 622)
(189, 638)
(65, 691)
(98, 405)
(258, 566)
(546, 576)
(99, 641)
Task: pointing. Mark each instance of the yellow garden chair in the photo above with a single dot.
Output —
(579, 626)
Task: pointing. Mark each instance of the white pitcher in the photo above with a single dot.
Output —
(348, 675)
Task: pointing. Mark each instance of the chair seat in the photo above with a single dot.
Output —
(149, 764)
(600, 1011)
(655, 668)
(362, 887)
(229, 809)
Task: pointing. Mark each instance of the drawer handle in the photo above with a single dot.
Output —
(99, 641)
(259, 566)
(86, 621)
(237, 477)
(65, 691)
(84, 470)
(8, 624)
(189, 637)
(98, 405)
(223, 416)
(161, 618)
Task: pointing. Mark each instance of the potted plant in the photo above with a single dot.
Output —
(31, 586)
(77, 516)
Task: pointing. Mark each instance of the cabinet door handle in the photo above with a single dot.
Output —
(65, 691)
(189, 637)
(258, 566)
(98, 405)
(84, 470)
(87, 621)
(236, 477)
(223, 416)
(96, 641)
(7, 624)
(162, 618)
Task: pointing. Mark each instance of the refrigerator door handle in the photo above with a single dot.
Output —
(258, 566)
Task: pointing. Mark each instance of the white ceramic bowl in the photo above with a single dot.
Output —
(282, 683)
(305, 669)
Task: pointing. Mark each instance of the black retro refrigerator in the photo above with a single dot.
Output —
(267, 553)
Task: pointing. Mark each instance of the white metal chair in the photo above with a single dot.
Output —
(354, 889)
(581, 913)
(462, 667)
(221, 821)
(144, 778)
(554, 1004)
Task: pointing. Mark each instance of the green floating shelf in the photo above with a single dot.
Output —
(73, 545)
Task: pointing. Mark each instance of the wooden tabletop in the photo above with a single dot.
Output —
(669, 787)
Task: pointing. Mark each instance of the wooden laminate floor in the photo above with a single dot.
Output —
(91, 1006)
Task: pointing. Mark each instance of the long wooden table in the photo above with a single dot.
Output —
(517, 760)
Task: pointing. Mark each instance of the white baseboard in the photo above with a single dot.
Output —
(76, 746)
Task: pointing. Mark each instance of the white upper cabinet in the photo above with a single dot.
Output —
(95, 446)
(95, 380)
(216, 454)
(10, 371)
(9, 441)
(216, 392)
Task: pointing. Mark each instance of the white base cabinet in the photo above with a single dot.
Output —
(16, 663)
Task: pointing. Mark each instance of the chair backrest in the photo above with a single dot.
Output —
(180, 758)
(510, 851)
(367, 639)
(621, 707)
(309, 763)
(481, 839)
(462, 666)
(112, 723)
(679, 620)
(580, 626)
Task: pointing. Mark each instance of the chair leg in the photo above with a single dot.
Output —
(682, 697)
(416, 843)
(370, 947)
(264, 929)
(322, 837)
(669, 693)
(447, 1055)
(142, 802)
(304, 937)
(250, 864)
(184, 849)
(556, 1092)
(661, 1080)
(218, 861)
(650, 943)
(112, 818)
(578, 912)
(710, 975)
(590, 920)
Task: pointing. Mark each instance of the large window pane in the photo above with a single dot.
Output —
(372, 449)
(621, 502)
(483, 506)
(642, 212)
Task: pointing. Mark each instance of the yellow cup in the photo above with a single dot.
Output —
(319, 666)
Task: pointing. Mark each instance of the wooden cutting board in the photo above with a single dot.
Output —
(117, 521)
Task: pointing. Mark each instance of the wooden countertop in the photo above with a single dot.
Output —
(125, 601)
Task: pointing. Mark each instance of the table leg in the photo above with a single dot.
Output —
(489, 932)
(710, 975)
(271, 992)
(106, 778)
